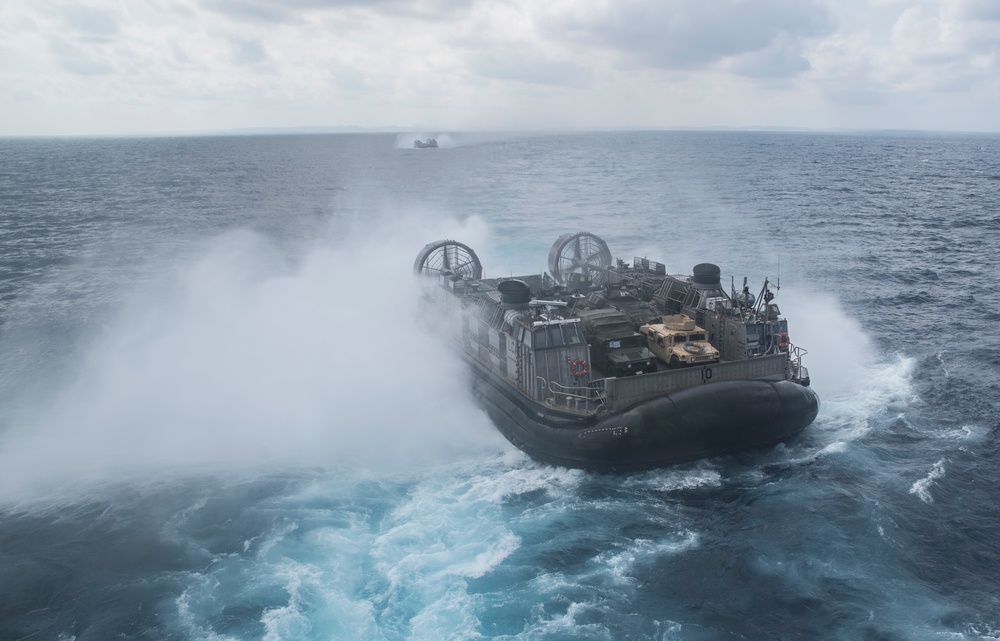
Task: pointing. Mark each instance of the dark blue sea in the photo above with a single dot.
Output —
(219, 420)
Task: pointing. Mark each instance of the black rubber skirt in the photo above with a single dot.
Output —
(690, 424)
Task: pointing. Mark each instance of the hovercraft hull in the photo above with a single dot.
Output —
(686, 425)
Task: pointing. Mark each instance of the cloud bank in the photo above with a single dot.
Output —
(107, 67)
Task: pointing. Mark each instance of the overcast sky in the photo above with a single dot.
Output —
(129, 66)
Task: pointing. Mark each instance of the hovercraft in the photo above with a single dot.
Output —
(619, 367)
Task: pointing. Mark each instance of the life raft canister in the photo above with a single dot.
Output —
(783, 341)
(579, 368)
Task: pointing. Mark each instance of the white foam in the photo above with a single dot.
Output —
(568, 625)
(964, 435)
(422, 545)
(854, 381)
(327, 570)
(841, 358)
(449, 534)
(450, 530)
(922, 486)
(462, 139)
(444, 141)
(308, 572)
(676, 479)
(289, 621)
(189, 619)
(620, 564)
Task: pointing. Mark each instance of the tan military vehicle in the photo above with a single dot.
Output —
(678, 342)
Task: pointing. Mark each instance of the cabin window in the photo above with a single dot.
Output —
(697, 337)
(614, 344)
(540, 339)
(555, 336)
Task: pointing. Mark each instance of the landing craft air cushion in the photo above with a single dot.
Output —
(619, 367)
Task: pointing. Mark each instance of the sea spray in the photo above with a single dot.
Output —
(248, 358)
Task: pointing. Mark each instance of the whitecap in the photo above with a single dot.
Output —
(922, 487)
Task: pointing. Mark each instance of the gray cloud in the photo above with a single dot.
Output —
(273, 11)
(779, 60)
(683, 35)
(858, 96)
(90, 22)
(960, 82)
(86, 67)
(246, 52)
(981, 9)
(251, 10)
(207, 63)
(528, 69)
(986, 44)
(76, 61)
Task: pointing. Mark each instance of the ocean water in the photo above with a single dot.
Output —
(218, 420)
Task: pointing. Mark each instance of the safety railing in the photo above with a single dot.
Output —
(622, 393)
(574, 397)
(799, 372)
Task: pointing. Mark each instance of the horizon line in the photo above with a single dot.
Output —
(387, 129)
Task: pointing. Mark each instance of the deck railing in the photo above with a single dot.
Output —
(576, 397)
(630, 390)
(799, 372)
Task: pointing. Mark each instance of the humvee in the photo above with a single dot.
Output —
(614, 345)
(678, 342)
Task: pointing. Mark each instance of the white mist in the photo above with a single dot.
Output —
(246, 359)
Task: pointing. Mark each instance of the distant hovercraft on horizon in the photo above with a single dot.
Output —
(620, 367)
(430, 143)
